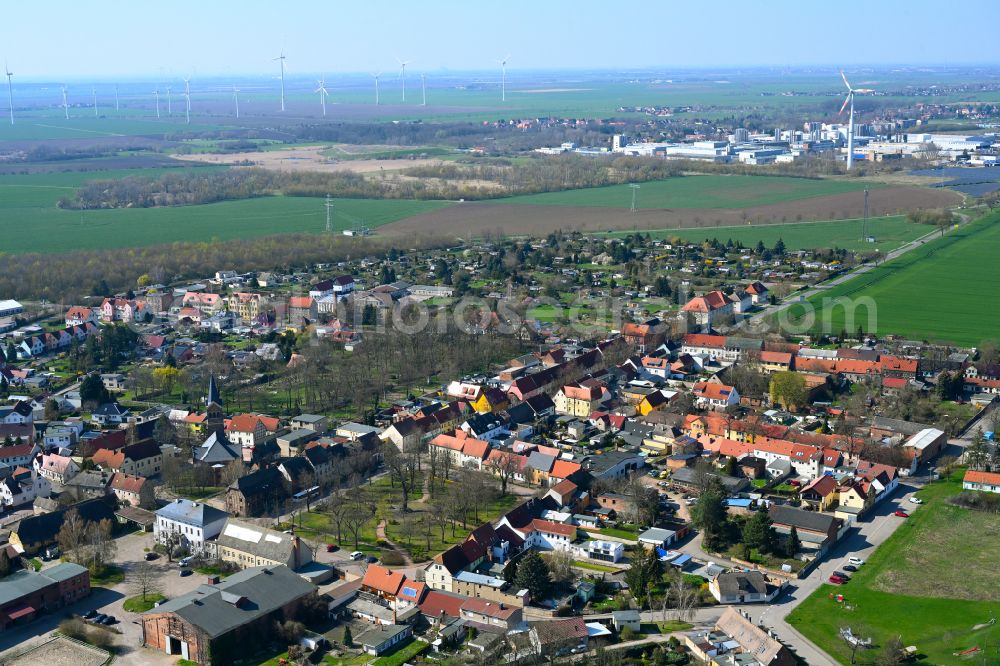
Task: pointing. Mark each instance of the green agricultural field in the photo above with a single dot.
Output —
(930, 584)
(696, 192)
(30, 221)
(41, 125)
(942, 291)
(890, 232)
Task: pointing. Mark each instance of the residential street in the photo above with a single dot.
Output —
(861, 542)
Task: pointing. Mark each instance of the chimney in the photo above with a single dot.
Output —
(213, 580)
(295, 551)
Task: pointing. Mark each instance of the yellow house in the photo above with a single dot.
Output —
(489, 401)
(577, 401)
(655, 401)
(854, 498)
(658, 444)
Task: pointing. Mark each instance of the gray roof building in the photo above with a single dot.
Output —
(244, 597)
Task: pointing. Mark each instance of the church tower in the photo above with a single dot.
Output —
(215, 419)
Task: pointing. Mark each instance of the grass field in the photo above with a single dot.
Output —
(890, 232)
(31, 222)
(942, 291)
(930, 583)
(695, 192)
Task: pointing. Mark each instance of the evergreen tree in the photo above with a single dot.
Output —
(348, 638)
(792, 544)
(758, 532)
(709, 514)
(643, 573)
(533, 575)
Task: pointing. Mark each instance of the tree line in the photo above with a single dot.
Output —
(69, 276)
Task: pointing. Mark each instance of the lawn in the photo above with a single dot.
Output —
(890, 232)
(695, 192)
(403, 655)
(28, 213)
(942, 291)
(583, 564)
(942, 558)
(109, 576)
(140, 605)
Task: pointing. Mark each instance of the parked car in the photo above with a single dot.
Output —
(90, 615)
(841, 574)
(837, 580)
(850, 567)
(99, 618)
(371, 559)
(901, 514)
(184, 572)
(357, 555)
(109, 620)
(151, 555)
(916, 500)
(856, 561)
(332, 548)
(186, 561)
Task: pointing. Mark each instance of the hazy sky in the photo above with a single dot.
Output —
(116, 38)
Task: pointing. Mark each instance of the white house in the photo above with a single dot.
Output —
(22, 486)
(56, 468)
(605, 551)
(987, 482)
(188, 524)
(708, 395)
(547, 535)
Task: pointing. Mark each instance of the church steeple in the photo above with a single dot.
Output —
(215, 419)
(213, 393)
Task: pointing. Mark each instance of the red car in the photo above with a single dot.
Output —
(332, 548)
(901, 514)
(837, 580)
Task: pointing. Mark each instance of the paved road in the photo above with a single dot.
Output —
(861, 541)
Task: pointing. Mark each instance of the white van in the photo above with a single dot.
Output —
(357, 555)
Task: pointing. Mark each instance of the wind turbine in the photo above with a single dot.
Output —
(375, 76)
(93, 94)
(503, 77)
(170, 106)
(187, 101)
(281, 60)
(65, 104)
(156, 94)
(117, 109)
(236, 98)
(322, 94)
(850, 120)
(423, 90)
(402, 76)
(10, 93)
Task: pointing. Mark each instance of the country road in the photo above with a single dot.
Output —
(799, 297)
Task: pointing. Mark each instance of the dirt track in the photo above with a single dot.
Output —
(479, 218)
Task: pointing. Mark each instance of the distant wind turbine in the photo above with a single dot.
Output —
(850, 120)
(402, 75)
(117, 108)
(503, 77)
(236, 99)
(10, 91)
(187, 101)
(93, 94)
(423, 90)
(375, 76)
(322, 94)
(65, 103)
(156, 94)
(170, 106)
(281, 60)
